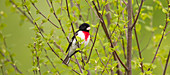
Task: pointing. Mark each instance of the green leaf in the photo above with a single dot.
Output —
(37, 12)
(148, 28)
(51, 10)
(148, 72)
(2, 25)
(95, 26)
(26, 3)
(140, 60)
(138, 27)
(100, 12)
(33, 1)
(36, 19)
(86, 67)
(58, 11)
(48, 16)
(160, 26)
(164, 10)
(44, 20)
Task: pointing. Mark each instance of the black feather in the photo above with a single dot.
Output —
(71, 41)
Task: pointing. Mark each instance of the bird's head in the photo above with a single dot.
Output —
(84, 27)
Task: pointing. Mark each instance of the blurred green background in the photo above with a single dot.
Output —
(19, 36)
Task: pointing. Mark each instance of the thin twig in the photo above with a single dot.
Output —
(124, 2)
(134, 23)
(37, 57)
(75, 37)
(80, 16)
(48, 68)
(139, 51)
(59, 47)
(59, 21)
(94, 10)
(8, 60)
(98, 4)
(39, 30)
(44, 15)
(104, 28)
(34, 23)
(167, 33)
(123, 47)
(160, 40)
(120, 61)
(166, 65)
(49, 59)
(106, 64)
(12, 64)
(100, 59)
(93, 44)
(76, 71)
(163, 34)
(78, 64)
(108, 15)
(103, 48)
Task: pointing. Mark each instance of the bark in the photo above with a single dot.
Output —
(129, 39)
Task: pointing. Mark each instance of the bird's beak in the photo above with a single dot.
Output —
(88, 28)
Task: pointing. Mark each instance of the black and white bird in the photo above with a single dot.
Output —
(83, 33)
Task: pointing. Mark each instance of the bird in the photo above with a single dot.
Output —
(84, 35)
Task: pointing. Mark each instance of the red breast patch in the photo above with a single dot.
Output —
(86, 35)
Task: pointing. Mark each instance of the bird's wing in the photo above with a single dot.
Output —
(71, 42)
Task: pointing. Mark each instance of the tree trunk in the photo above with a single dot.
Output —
(129, 39)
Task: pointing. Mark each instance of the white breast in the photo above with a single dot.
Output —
(74, 46)
(82, 36)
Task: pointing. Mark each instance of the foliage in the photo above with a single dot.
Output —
(55, 22)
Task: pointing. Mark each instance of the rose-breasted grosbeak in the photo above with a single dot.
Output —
(83, 33)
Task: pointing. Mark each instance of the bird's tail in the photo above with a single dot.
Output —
(66, 60)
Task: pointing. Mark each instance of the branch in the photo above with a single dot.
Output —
(129, 38)
(167, 33)
(108, 15)
(103, 47)
(105, 29)
(134, 23)
(140, 55)
(166, 65)
(78, 64)
(123, 47)
(12, 64)
(49, 72)
(49, 59)
(106, 64)
(57, 19)
(74, 35)
(43, 15)
(37, 57)
(163, 34)
(100, 59)
(34, 23)
(161, 39)
(59, 47)
(121, 61)
(139, 51)
(71, 20)
(94, 12)
(93, 44)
